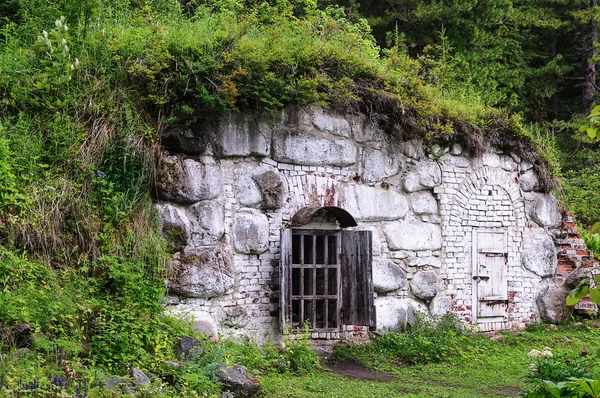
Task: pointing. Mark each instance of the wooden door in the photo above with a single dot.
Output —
(490, 284)
(357, 279)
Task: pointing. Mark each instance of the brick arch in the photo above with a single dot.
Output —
(481, 177)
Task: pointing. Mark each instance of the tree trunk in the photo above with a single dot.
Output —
(589, 37)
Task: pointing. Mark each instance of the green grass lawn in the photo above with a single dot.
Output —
(480, 368)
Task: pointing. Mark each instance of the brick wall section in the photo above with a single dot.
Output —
(573, 254)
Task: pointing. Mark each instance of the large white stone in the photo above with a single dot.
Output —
(424, 285)
(490, 159)
(427, 174)
(365, 130)
(260, 187)
(242, 136)
(387, 276)
(204, 273)
(414, 236)
(394, 315)
(207, 221)
(272, 187)
(307, 149)
(250, 232)
(186, 181)
(331, 123)
(545, 211)
(423, 203)
(507, 164)
(376, 242)
(374, 204)
(200, 320)
(440, 306)
(378, 165)
(529, 181)
(413, 149)
(175, 224)
(539, 253)
(246, 189)
(551, 304)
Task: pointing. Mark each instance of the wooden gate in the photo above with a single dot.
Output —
(490, 286)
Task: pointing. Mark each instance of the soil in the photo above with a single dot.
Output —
(350, 368)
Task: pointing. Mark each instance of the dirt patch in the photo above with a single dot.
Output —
(510, 390)
(351, 368)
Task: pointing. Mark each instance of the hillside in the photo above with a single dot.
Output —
(86, 94)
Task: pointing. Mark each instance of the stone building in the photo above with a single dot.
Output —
(320, 221)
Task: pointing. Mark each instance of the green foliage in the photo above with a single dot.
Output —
(592, 241)
(560, 376)
(424, 341)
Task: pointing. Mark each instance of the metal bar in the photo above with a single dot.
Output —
(314, 282)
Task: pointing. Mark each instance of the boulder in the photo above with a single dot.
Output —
(365, 130)
(490, 159)
(272, 187)
(185, 346)
(199, 320)
(207, 223)
(374, 204)
(306, 149)
(237, 381)
(507, 164)
(539, 253)
(524, 166)
(250, 233)
(551, 304)
(456, 149)
(175, 225)
(577, 276)
(545, 211)
(394, 315)
(440, 306)
(247, 191)
(203, 322)
(378, 165)
(413, 236)
(376, 241)
(139, 378)
(117, 384)
(242, 136)
(529, 182)
(205, 273)
(424, 285)
(427, 174)
(184, 181)
(387, 276)
(328, 122)
(423, 203)
(413, 149)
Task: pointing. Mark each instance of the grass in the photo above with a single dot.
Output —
(479, 368)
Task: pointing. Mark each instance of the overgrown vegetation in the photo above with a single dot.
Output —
(88, 87)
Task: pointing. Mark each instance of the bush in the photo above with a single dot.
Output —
(427, 340)
(559, 376)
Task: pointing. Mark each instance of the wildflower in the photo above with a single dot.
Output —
(533, 367)
(547, 352)
(534, 354)
(567, 360)
(584, 352)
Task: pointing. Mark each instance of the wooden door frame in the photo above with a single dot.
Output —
(475, 267)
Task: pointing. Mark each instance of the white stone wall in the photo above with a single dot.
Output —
(229, 203)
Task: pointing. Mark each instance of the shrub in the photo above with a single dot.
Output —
(427, 340)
